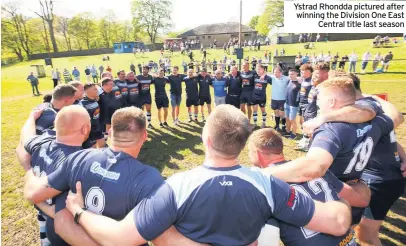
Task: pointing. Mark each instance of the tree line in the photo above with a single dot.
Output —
(23, 35)
(271, 16)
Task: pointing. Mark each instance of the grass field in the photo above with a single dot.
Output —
(173, 150)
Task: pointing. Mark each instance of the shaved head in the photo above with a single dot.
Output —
(70, 120)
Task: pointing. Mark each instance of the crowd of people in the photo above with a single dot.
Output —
(91, 193)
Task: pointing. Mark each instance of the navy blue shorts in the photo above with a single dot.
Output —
(261, 103)
(278, 105)
(145, 99)
(204, 100)
(246, 97)
(233, 100)
(162, 102)
(302, 109)
(383, 196)
(192, 102)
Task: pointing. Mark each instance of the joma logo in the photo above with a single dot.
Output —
(226, 183)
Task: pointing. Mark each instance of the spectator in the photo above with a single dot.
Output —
(353, 62)
(101, 69)
(344, 59)
(66, 75)
(132, 67)
(376, 61)
(386, 60)
(76, 74)
(56, 77)
(365, 60)
(334, 63)
(87, 72)
(93, 71)
(184, 65)
(47, 98)
(34, 83)
(108, 69)
(318, 37)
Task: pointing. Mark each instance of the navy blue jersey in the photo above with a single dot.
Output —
(145, 84)
(204, 85)
(244, 199)
(113, 183)
(192, 90)
(122, 86)
(248, 80)
(104, 100)
(259, 92)
(176, 83)
(234, 85)
(93, 109)
(384, 163)
(292, 93)
(322, 189)
(351, 145)
(117, 100)
(133, 93)
(306, 85)
(160, 87)
(311, 109)
(47, 118)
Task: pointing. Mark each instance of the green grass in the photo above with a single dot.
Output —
(170, 151)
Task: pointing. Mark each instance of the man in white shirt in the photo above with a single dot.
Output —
(353, 62)
(56, 76)
(327, 58)
(320, 58)
(365, 59)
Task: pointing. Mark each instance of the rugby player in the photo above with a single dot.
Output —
(161, 99)
(266, 149)
(192, 94)
(292, 104)
(145, 92)
(382, 173)
(199, 202)
(89, 102)
(176, 92)
(46, 152)
(247, 77)
(204, 81)
(110, 100)
(306, 71)
(121, 83)
(62, 95)
(219, 84)
(279, 85)
(80, 91)
(261, 81)
(112, 180)
(234, 87)
(133, 90)
(340, 147)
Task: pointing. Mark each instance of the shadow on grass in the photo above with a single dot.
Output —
(165, 145)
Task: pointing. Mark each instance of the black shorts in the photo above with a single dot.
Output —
(233, 100)
(204, 100)
(278, 105)
(162, 102)
(302, 109)
(145, 99)
(383, 195)
(246, 97)
(110, 113)
(192, 102)
(96, 135)
(261, 103)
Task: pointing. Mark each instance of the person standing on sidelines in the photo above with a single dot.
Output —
(386, 60)
(67, 76)
(213, 194)
(353, 62)
(132, 67)
(56, 77)
(292, 104)
(365, 58)
(89, 102)
(145, 92)
(376, 61)
(175, 80)
(88, 75)
(76, 74)
(101, 70)
(261, 82)
(93, 71)
(204, 81)
(219, 84)
(247, 77)
(278, 97)
(161, 99)
(80, 91)
(192, 95)
(34, 83)
(234, 87)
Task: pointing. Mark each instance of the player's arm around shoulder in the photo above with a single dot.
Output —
(37, 189)
(391, 111)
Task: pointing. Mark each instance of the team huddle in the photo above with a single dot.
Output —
(88, 193)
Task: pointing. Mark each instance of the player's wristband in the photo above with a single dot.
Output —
(77, 216)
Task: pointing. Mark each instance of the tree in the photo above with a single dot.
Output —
(47, 16)
(272, 15)
(82, 27)
(63, 28)
(151, 15)
(10, 39)
(253, 22)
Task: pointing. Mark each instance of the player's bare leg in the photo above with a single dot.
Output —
(189, 110)
(255, 114)
(209, 108)
(242, 107)
(160, 117)
(196, 109)
(368, 232)
(249, 112)
(165, 116)
(202, 112)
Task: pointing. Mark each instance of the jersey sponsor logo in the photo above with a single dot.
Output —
(292, 199)
(245, 82)
(43, 155)
(145, 87)
(258, 86)
(134, 91)
(96, 114)
(361, 132)
(226, 183)
(117, 94)
(349, 240)
(97, 169)
(124, 91)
